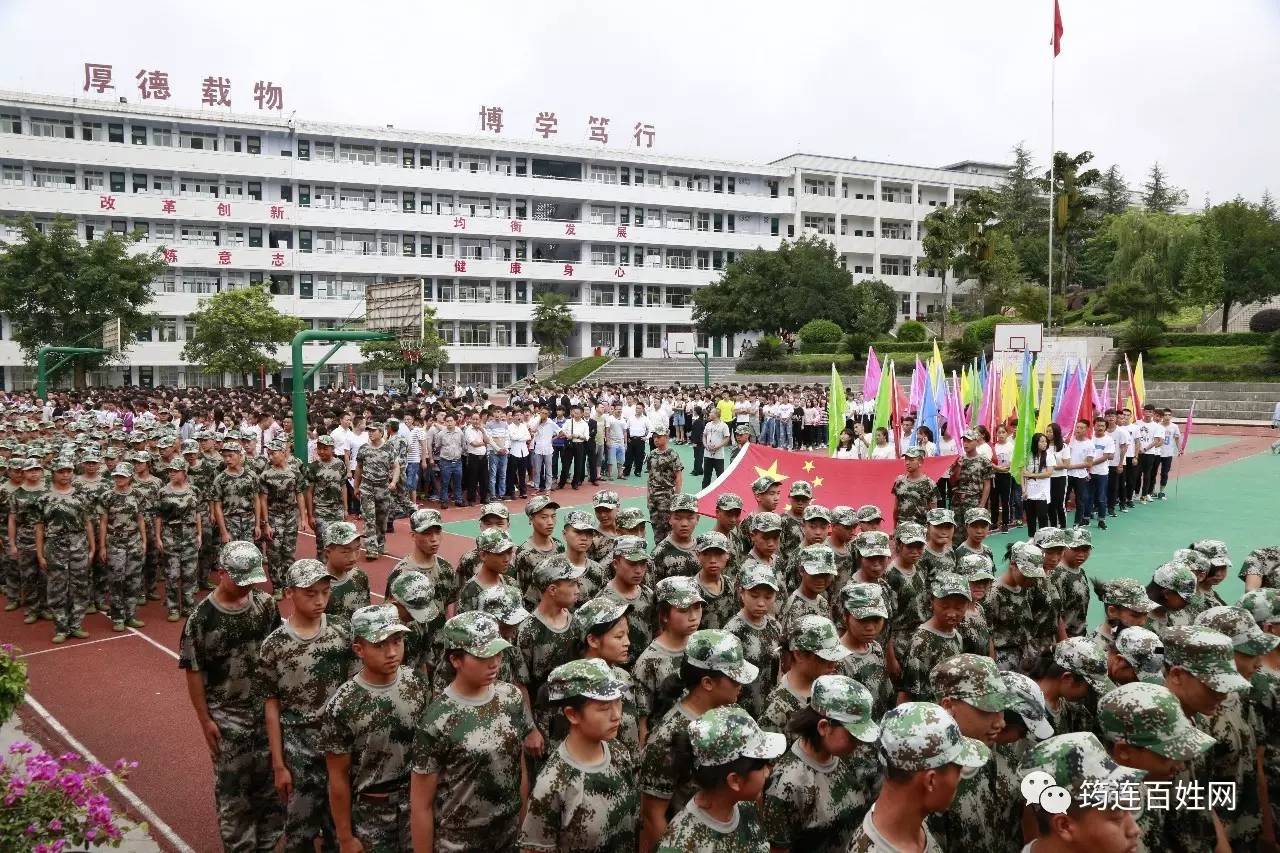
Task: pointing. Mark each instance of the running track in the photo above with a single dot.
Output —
(122, 695)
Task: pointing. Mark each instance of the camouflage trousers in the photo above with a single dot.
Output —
(10, 579)
(180, 559)
(240, 526)
(404, 503)
(660, 519)
(101, 583)
(323, 519)
(69, 581)
(208, 557)
(250, 818)
(32, 582)
(382, 823)
(124, 566)
(151, 567)
(307, 813)
(280, 547)
(962, 503)
(375, 507)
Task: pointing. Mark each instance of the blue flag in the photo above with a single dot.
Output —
(929, 410)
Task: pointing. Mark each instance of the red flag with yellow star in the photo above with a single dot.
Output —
(836, 482)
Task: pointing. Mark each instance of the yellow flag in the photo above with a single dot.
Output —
(1045, 403)
(1008, 393)
(1139, 386)
(935, 364)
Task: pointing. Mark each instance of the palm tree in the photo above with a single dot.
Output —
(1074, 207)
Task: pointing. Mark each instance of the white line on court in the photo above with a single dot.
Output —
(153, 820)
(161, 646)
(75, 646)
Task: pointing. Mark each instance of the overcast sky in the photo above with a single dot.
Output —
(1191, 84)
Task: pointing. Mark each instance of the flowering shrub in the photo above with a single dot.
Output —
(13, 680)
(51, 802)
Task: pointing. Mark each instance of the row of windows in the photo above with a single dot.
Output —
(888, 192)
(54, 127)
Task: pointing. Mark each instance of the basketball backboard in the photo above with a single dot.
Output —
(1019, 337)
(113, 336)
(395, 307)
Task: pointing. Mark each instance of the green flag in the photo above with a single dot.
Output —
(884, 398)
(835, 411)
(1026, 426)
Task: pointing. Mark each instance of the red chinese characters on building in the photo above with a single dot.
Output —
(619, 272)
(224, 209)
(277, 259)
(97, 77)
(570, 229)
(224, 257)
(599, 126)
(568, 270)
(546, 124)
(622, 231)
(216, 92)
(644, 130)
(460, 222)
(491, 119)
(106, 202)
(168, 205)
(516, 268)
(170, 256)
(459, 266)
(516, 226)
(153, 84)
(268, 95)
(277, 212)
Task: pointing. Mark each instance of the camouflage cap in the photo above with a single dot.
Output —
(190, 446)
(418, 595)
(1144, 651)
(376, 623)
(1262, 604)
(325, 440)
(1079, 763)
(91, 457)
(1085, 658)
(555, 568)
(630, 517)
(869, 512)
(971, 435)
(496, 509)
(976, 567)
(800, 489)
(30, 463)
(939, 516)
(1079, 537)
(712, 540)
(845, 516)
(684, 503)
(423, 520)
(376, 425)
(660, 429)
(913, 453)
(910, 533)
(243, 562)
(818, 560)
(227, 447)
(766, 522)
(977, 514)
(1026, 699)
(67, 463)
(728, 502)
(1205, 653)
(817, 634)
(177, 463)
(538, 503)
(475, 633)
(605, 499)
(840, 698)
(1029, 559)
(1127, 593)
(1215, 550)
(864, 600)
(1150, 716)
(1192, 558)
(742, 429)
(972, 679)
(589, 677)
(816, 512)
(760, 485)
(1176, 577)
(304, 574)
(277, 445)
(678, 591)
(582, 521)
(725, 734)
(757, 575)
(122, 469)
(1050, 537)
(722, 652)
(504, 603)
(872, 543)
(630, 548)
(340, 533)
(949, 583)
(493, 540)
(1246, 637)
(917, 736)
(601, 610)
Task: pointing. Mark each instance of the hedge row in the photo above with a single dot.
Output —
(1212, 339)
(1211, 372)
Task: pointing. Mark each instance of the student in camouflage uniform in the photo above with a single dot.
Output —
(1072, 678)
(122, 530)
(1145, 728)
(907, 587)
(975, 633)
(326, 490)
(798, 498)
(1136, 654)
(865, 615)
(1011, 607)
(65, 538)
(368, 733)
(402, 503)
(547, 640)
(1078, 765)
(283, 489)
(349, 586)
(578, 531)
(914, 494)
(630, 521)
(13, 588)
(676, 554)
(766, 491)
(495, 549)
(813, 531)
(427, 529)
(627, 586)
(923, 753)
(821, 788)
(840, 535)
(679, 604)
(766, 533)
(1215, 551)
(505, 605)
(605, 505)
(666, 477)
(817, 569)
(712, 676)
(200, 474)
(937, 639)
(469, 782)
(1172, 587)
(300, 665)
(148, 484)
(977, 526)
(221, 643)
(414, 597)
(493, 514)
(728, 518)
(178, 530)
(1068, 576)
(720, 602)
(1261, 568)
(1263, 605)
(731, 760)
(759, 633)
(24, 514)
(586, 796)
(601, 626)
(1200, 568)
(376, 476)
(1026, 721)
(971, 484)
(541, 512)
(93, 486)
(815, 650)
(938, 554)
(235, 502)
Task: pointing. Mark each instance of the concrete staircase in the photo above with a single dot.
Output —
(548, 370)
(663, 371)
(1219, 401)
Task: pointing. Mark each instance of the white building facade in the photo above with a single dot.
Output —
(316, 212)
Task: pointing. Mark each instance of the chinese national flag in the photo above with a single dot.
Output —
(836, 482)
(1057, 29)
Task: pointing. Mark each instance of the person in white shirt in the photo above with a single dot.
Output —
(418, 456)
(637, 431)
(1104, 450)
(784, 410)
(1035, 483)
(882, 448)
(1002, 494)
(1078, 461)
(615, 441)
(544, 432)
(475, 461)
(1149, 451)
(1129, 476)
(1168, 450)
(576, 432)
(518, 465)
(1059, 458)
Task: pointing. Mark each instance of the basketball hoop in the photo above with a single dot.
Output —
(409, 352)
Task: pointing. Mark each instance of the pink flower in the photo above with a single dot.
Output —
(96, 770)
(90, 834)
(55, 825)
(68, 756)
(20, 747)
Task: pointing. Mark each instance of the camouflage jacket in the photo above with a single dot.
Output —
(928, 647)
(201, 476)
(931, 562)
(223, 646)
(375, 465)
(601, 548)
(526, 561)
(972, 472)
(762, 646)
(662, 772)
(909, 605)
(779, 707)
(147, 489)
(24, 505)
(818, 807)
(122, 510)
(792, 536)
(1238, 730)
(664, 465)
(718, 607)
(914, 498)
(869, 840)
(64, 514)
(348, 595)
(302, 673)
(93, 490)
(797, 605)
(542, 649)
(669, 560)
(376, 726)
(469, 595)
(975, 633)
(236, 492)
(327, 482)
(868, 668)
(1265, 563)
(442, 574)
(692, 830)
(1072, 586)
(655, 665)
(579, 807)
(281, 486)
(968, 824)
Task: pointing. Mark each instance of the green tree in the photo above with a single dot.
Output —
(1248, 249)
(1147, 270)
(874, 309)
(1023, 213)
(1268, 205)
(777, 291)
(238, 331)
(1074, 203)
(390, 355)
(58, 290)
(1113, 192)
(1031, 302)
(946, 235)
(552, 323)
(1158, 195)
(989, 254)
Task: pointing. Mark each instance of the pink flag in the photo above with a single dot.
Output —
(918, 378)
(1072, 394)
(871, 381)
(955, 416)
(1186, 429)
(1106, 393)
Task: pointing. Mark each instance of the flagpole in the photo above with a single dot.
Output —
(1053, 69)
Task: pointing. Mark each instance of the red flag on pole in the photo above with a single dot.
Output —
(1057, 29)
(1186, 429)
